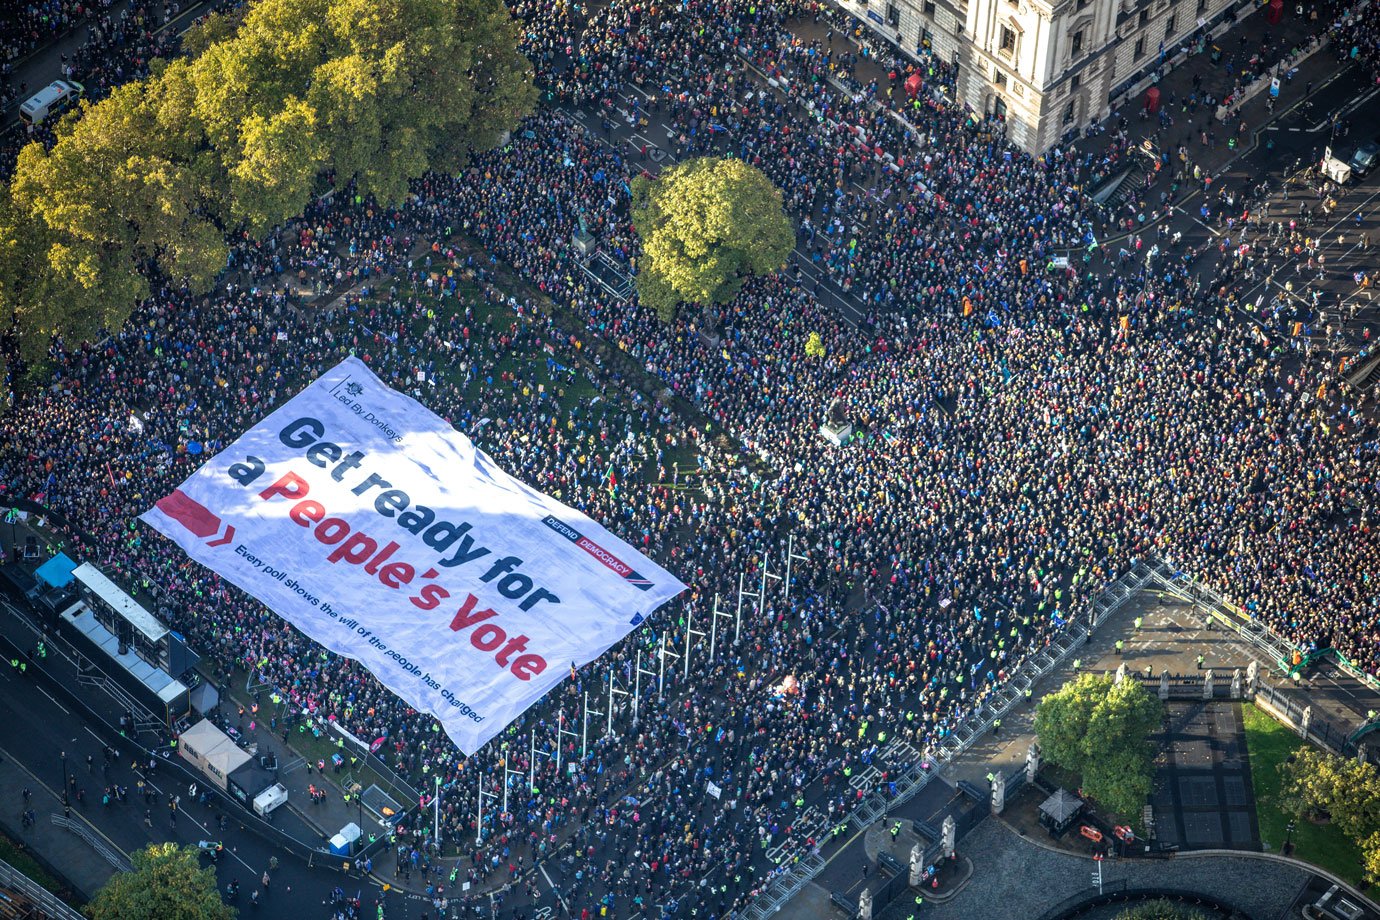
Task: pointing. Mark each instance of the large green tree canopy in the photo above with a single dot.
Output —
(706, 226)
(1100, 729)
(167, 883)
(1346, 790)
(237, 138)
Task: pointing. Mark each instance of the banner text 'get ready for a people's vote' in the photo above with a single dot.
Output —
(369, 523)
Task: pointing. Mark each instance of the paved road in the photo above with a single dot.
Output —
(45, 65)
(1026, 879)
(41, 725)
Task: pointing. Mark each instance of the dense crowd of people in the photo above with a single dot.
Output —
(27, 27)
(1025, 432)
(116, 48)
(1356, 37)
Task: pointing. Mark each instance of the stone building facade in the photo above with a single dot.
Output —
(1049, 66)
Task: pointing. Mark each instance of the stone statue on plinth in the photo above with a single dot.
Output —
(836, 429)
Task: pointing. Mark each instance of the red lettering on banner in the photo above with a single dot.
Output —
(604, 556)
(490, 637)
(355, 548)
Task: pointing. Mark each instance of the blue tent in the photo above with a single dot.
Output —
(56, 571)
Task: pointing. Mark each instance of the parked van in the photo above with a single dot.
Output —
(1335, 168)
(53, 99)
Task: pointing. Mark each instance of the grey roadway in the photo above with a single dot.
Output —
(45, 64)
(40, 725)
(1016, 877)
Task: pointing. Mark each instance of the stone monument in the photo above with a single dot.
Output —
(998, 792)
(1032, 761)
(583, 240)
(836, 428)
(917, 866)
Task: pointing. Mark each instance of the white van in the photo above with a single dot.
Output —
(1334, 168)
(53, 99)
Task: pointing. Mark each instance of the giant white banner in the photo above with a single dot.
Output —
(380, 531)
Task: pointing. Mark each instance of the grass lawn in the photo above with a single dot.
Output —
(1270, 744)
(532, 367)
(11, 853)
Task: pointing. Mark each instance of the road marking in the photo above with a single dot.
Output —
(184, 813)
(1328, 232)
(1204, 226)
(55, 702)
(553, 888)
(1344, 110)
(75, 814)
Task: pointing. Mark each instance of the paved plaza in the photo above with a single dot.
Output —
(1202, 796)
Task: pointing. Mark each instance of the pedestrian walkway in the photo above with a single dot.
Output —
(66, 854)
(1213, 72)
(1195, 147)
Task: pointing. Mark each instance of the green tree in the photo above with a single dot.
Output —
(1100, 729)
(167, 883)
(1346, 791)
(238, 138)
(211, 28)
(706, 226)
(814, 346)
(1160, 910)
(1061, 719)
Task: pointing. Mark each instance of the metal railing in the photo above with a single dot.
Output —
(49, 903)
(1291, 712)
(1184, 586)
(1061, 647)
(117, 860)
(144, 719)
(1276, 648)
(785, 886)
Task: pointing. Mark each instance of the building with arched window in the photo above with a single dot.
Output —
(1049, 67)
